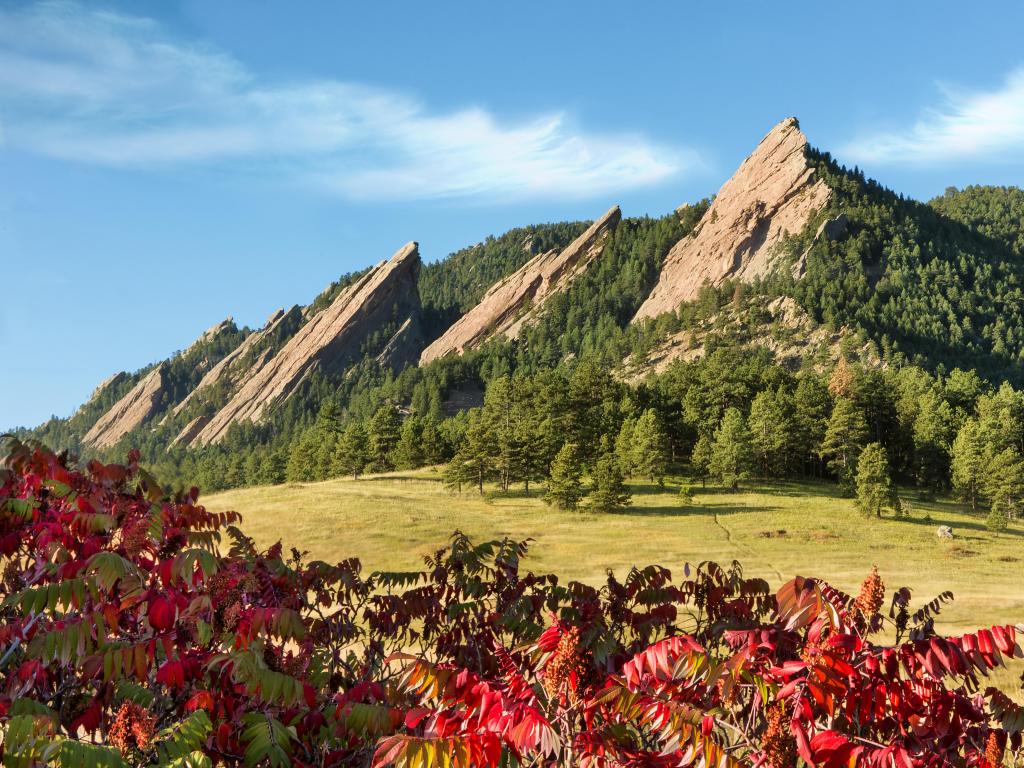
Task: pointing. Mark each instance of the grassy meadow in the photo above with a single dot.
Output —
(776, 530)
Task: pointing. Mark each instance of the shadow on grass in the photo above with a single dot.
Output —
(395, 478)
(690, 510)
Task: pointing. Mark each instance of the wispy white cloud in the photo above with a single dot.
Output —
(114, 90)
(967, 126)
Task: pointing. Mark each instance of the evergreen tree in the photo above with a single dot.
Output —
(932, 438)
(302, 459)
(609, 493)
(1004, 481)
(969, 463)
(565, 485)
(533, 465)
(408, 453)
(811, 407)
(875, 490)
(650, 447)
(504, 413)
(476, 455)
(353, 452)
(732, 453)
(384, 432)
(325, 433)
(844, 439)
(996, 520)
(457, 472)
(771, 431)
(624, 446)
(275, 466)
(701, 457)
(433, 443)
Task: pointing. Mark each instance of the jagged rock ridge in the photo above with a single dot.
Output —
(329, 341)
(223, 369)
(773, 194)
(134, 409)
(517, 299)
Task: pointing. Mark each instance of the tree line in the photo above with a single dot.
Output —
(576, 434)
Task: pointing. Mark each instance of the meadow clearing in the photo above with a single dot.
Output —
(777, 530)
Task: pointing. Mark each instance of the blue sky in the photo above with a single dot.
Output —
(163, 165)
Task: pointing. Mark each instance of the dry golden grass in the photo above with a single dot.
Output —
(390, 521)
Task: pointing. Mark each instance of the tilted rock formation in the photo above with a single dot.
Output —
(131, 411)
(517, 299)
(773, 194)
(223, 369)
(404, 347)
(329, 341)
(193, 428)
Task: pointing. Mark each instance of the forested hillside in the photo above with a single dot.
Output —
(940, 284)
(924, 301)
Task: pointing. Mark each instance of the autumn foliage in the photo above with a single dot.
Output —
(138, 628)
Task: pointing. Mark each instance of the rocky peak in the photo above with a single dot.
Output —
(517, 299)
(141, 403)
(330, 341)
(224, 369)
(773, 194)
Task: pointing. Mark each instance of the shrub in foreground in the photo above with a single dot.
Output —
(141, 629)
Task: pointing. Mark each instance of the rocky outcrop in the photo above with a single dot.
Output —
(193, 428)
(774, 193)
(404, 347)
(517, 299)
(330, 341)
(130, 412)
(226, 370)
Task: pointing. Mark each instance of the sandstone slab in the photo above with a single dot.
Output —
(774, 193)
(517, 299)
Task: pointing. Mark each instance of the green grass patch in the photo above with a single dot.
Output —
(775, 530)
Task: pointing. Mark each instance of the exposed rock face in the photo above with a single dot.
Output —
(772, 194)
(329, 341)
(404, 347)
(517, 299)
(223, 369)
(188, 434)
(131, 411)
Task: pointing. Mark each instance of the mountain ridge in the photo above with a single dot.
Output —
(789, 223)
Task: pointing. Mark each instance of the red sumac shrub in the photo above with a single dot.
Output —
(142, 629)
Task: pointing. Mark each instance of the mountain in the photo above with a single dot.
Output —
(516, 300)
(333, 338)
(796, 256)
(772, 195)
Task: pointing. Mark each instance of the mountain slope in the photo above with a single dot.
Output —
(514, 300)
(774, 193)
(329, 341)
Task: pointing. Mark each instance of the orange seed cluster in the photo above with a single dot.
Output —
(133, 726)
(779, 747)
(565, 668)
(872, 594)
